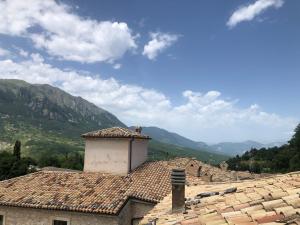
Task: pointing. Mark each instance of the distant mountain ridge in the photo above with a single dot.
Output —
(172, 138)
(227, 148)
(48, 120)
(44, 102)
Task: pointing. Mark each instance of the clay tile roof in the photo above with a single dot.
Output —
(86, 192)
(115, 132)
(269, 200)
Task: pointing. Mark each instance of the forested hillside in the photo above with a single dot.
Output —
(277, 159)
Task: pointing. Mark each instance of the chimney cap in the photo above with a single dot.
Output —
(138, 129)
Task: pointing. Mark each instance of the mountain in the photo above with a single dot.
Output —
(51, 108)
(167, 137)
(49, 121)
(236, 148)
(159, 150)
(226, 148)
(239, 148)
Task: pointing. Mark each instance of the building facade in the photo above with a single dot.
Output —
(116, 187)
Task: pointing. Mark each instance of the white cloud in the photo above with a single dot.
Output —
(4, 52)
(201, 116)
(117, 66)
(249, 12)
(54, 27)
(23, 53)
(158, 43)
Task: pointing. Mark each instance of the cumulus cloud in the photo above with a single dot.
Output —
(117, 66)
(54, 27)
(4, 52)
(202, 116)
(249, 12)
(158, 43)
(23, 53)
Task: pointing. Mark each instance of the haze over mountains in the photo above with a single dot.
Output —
(50, 121)
(228, 148)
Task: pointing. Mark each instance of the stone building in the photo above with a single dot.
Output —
(117, 186)
(193, 168)
(224, 166)
(199, 172)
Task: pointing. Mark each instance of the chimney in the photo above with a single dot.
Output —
(178, 190)
(138, 129)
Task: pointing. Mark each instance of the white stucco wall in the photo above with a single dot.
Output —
(139, 152)
(106, 155)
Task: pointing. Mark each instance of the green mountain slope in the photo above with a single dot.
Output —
(167, 137)
(49, 121)
(159, 150)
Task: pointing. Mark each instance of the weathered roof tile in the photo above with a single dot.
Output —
(281, 206)
(86, 192)
(115, 132)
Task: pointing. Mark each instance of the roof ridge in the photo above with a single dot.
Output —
(115, 132)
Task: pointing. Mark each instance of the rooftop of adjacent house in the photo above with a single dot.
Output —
(270, 200)
(61, 189)
(216, 174)
(86, 192)
(115, 132)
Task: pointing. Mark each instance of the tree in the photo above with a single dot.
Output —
(72, 161)
(11, 167)
(6, 162)
(295, 162)
(295, 141)
(17, 150)
(49, 160)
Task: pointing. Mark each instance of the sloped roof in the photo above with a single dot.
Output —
(272, 200)
(218, 175)
(86, 192)
(115, 132)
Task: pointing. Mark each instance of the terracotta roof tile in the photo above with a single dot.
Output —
(247, 223)
(241, 206)
(270, 205)
(271, 200)
(115, 132)
(239, 219)
(278, 194)
(86, 192)
(231, 214)
(262, 214)
(191, 222)
(269, 218)
(252, 208)
(286, 211)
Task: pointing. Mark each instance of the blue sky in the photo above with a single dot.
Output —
(209, 70)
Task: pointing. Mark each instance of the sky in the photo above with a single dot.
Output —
(209, 70)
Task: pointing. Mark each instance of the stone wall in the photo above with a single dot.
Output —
(139, 209)
(27, 216)
(133, 211)
(193, 168)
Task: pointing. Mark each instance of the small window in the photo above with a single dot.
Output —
(59, 222)
(1, 220)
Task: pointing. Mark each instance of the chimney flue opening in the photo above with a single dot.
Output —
(178, 190)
